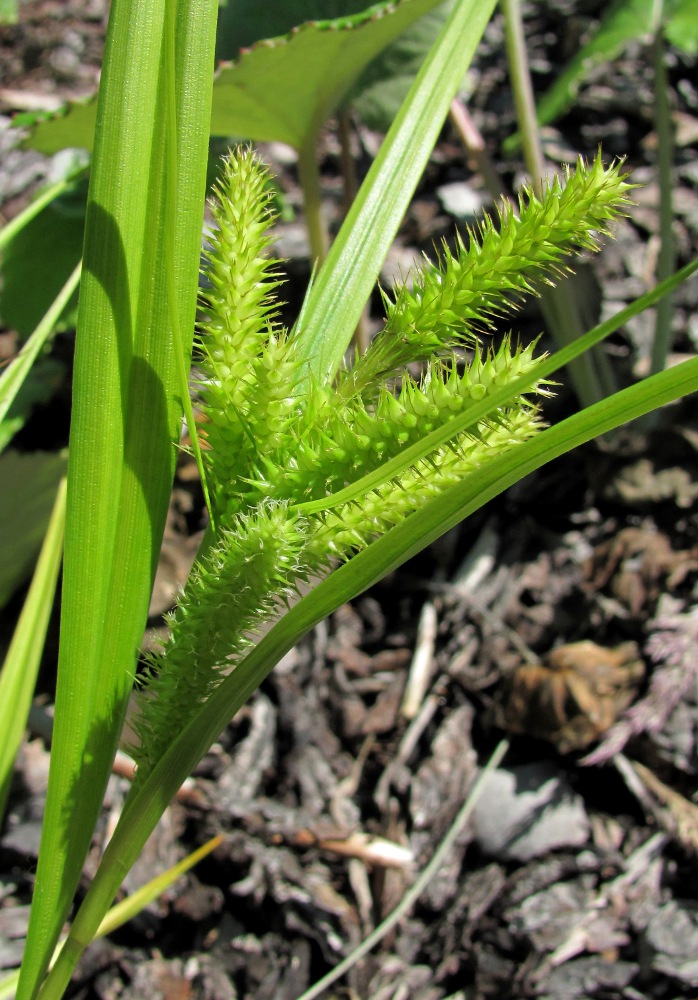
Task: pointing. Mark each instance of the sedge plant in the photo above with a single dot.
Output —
(305, 474)
(314, 471)
(280, 442)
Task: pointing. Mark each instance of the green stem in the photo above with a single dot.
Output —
(309, 177)
(479, 159)
(522, 90)
(562, 320)
(665, 160)
(351, 184)
(590, 374)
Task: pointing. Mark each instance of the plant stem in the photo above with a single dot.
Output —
(309, 177)
(479, 159)
(523, 92)
(351, 184)
(666, 263)
(591, 374)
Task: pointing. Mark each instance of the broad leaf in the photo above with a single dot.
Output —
(9, 11)
(280, 90)
(241, 23)
(681, 27)
(285, 89)
(382, 87)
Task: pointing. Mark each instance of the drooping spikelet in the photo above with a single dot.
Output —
(244, 577)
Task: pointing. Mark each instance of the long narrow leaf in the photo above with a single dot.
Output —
(43, 198)
(18, 675)
(14, 376)
(134, 904)
(126, 413)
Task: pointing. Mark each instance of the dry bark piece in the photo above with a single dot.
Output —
(667, 711)
(636, 564)
(575, 695)
(644, 483)
(675, 813)
(671, 942)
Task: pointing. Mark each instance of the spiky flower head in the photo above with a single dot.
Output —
(461, 292)
(280, 446)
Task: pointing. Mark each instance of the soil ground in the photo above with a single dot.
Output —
(564, 614)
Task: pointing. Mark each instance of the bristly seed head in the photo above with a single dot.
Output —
(272, 446)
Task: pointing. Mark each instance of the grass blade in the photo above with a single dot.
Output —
(13, 377)
(18, 675)
(126, 414)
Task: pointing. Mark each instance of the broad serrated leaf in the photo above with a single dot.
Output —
(382, 87)
(681, 28)
(286, 88)
(281, 90)
(241, 23)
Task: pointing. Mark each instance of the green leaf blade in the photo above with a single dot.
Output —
(625, 22)
(286, 88)
(21, 666)
(126, 416)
